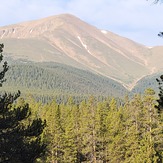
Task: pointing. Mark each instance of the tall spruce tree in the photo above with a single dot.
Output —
(5, 66)
(159, 108)
(160, 100)
(70, 135)
(54, 133)
(115, 134)
(20, 141)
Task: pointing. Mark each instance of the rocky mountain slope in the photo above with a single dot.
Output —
(68, 40)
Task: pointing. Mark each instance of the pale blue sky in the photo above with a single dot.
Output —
(138, 20)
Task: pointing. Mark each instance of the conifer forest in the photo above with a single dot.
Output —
(90, 130)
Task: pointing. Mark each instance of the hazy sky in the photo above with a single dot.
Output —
(139, 20)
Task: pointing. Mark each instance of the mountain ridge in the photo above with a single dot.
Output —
(69, 40)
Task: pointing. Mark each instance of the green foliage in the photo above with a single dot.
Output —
(160, 100)
(145, 83)
(20, 139)
(5, 66)
(104, 131)
(49, 79)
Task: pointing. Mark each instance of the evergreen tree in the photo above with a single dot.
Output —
(19, 141)
(151, 125)
(159, 107)
(5, 66)
(160, 100)
(102, 130)
(70, 135)
(90, 130)
(115, 134)
(143, 130)
(54, 133)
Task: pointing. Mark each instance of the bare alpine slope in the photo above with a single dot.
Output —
(68, 40)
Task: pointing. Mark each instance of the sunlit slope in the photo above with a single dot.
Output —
(68, 40)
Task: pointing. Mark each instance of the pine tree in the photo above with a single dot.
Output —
(160, 100)
(133, 110)
(102, 130)
(143, 125)
(159, 107)
(5, 66)
(19, 142)
(115, 134)
(70, 135)
(54, 133)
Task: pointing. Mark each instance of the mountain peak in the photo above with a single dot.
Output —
(69, 40)
(39, 27)
(63, 17)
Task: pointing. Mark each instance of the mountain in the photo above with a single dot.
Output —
(70, 41)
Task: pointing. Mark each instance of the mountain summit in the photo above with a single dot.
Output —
(68, 40)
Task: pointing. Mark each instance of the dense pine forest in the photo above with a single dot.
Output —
(45, 81)
(92, 131)
(100, 131)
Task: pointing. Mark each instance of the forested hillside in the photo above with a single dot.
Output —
(52, 79)
(147, 82)
(48, 79)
